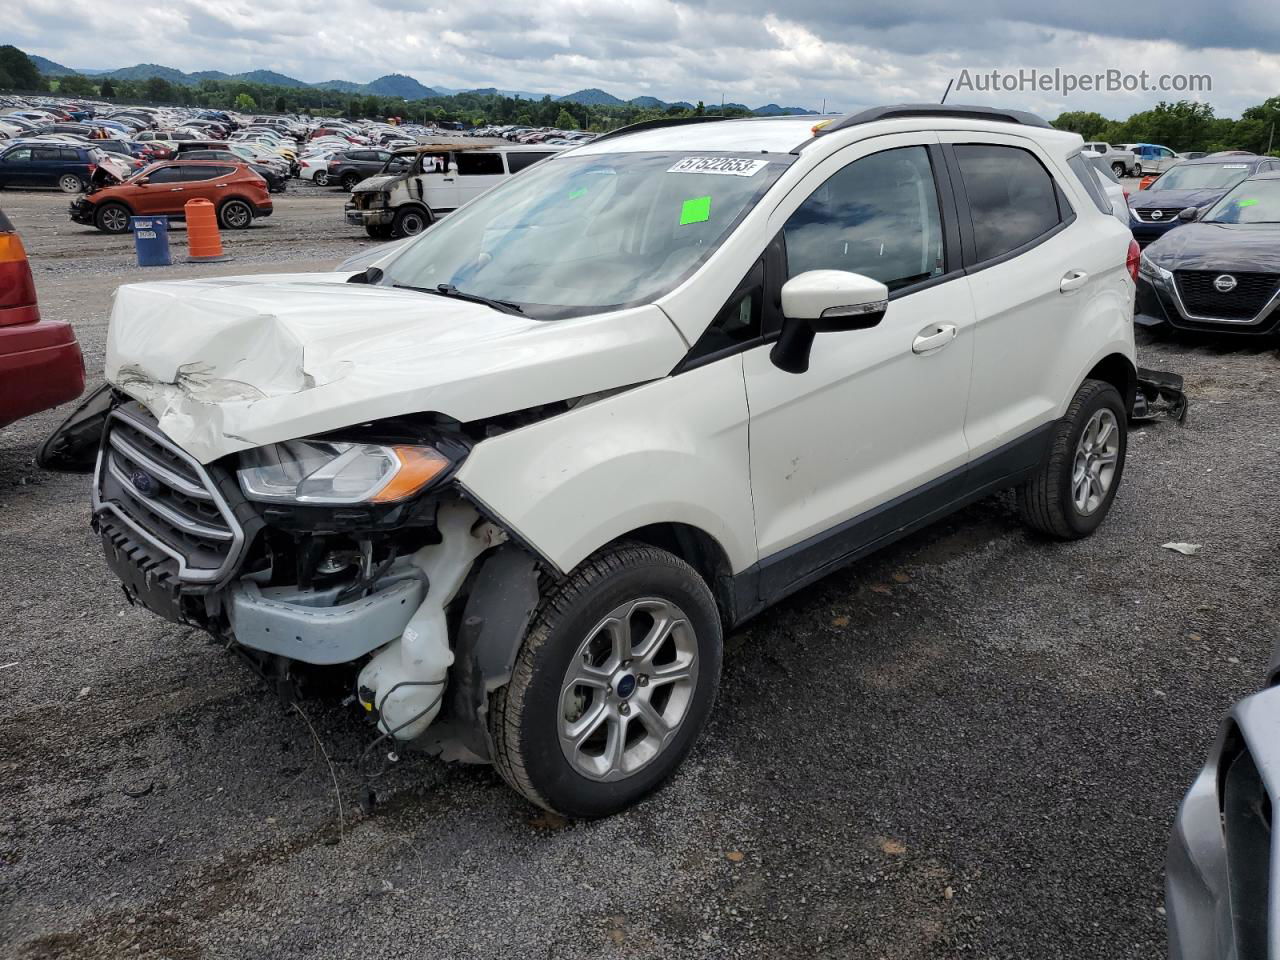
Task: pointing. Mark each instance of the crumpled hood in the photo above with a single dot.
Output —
(1176, 198)
(1247, 248)
(374, 184)
(238, 362)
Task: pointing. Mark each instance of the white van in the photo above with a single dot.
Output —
(420, 184)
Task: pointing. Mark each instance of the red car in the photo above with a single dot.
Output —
(40, 361)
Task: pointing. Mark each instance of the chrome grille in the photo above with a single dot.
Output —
(165, 496)
(1250, 293)
(1147, 214)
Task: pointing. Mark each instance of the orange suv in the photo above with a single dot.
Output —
(162, 189)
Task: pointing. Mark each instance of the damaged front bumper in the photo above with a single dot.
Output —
(318, 586)
(369, 209)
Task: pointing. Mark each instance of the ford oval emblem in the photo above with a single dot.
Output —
(1224, 283)
(143, 482)
(1157, 214)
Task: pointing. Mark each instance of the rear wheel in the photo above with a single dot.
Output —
(1118, 168)
(112, 218)
(1073, 490)
(321, 179)
(235, 215)
(613, 683)
(70, 183)
(410, 222)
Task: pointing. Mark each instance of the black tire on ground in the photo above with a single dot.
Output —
(235, 215)
(1046, 501)
(379, 231)
(321, 178)
(526, 714)
(410, 222)
(112, 218)
(70, 183)
(1118, 168)
(349, 180)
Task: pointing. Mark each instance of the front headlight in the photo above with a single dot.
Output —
(322, 472)
(1149, 270)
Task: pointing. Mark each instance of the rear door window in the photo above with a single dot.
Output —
(47, 154)
(1012, 198)
(480, 164)
(522, 161)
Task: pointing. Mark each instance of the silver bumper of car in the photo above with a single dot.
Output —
(1222, 874)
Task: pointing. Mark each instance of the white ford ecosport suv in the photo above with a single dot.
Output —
(524, 471)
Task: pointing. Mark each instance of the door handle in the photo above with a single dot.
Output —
(933, 338)
(174, 189)
(1073, 280)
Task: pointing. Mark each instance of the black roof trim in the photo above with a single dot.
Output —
(657, 124)
(904, 110)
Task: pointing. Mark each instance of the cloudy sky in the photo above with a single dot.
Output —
(796, 53)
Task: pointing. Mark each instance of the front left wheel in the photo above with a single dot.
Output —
(613, 683)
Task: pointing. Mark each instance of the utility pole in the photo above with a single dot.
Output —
(824, 106)
(722, 103)
(1271, 136)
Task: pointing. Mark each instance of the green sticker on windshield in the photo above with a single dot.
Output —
(581, 191)
(1246, 203)
(696, 210)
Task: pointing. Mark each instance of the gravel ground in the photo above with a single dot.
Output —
(971, 744)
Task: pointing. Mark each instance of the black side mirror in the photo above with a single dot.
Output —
(1188, 214)
(824, 301)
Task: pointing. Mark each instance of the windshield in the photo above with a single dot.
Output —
(578, 235)
(1257, 201)
(1201, 176)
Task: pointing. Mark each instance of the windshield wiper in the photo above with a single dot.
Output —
(449, 290)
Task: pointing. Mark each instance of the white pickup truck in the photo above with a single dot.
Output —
(1121, 161)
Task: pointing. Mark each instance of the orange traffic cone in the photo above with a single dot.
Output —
(204, 244)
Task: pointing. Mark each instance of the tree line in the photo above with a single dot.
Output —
(1184, 126)
(17, 72)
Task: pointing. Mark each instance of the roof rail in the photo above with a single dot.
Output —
(904, 110)
(657, 124)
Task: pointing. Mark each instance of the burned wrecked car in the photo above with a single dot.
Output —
(518, 475)
(420, 184)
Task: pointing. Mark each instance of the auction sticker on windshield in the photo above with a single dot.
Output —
(725, 166)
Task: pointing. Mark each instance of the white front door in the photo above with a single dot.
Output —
(871, 419)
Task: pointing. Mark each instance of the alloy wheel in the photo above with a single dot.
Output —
(1094, 466)
(628, 688)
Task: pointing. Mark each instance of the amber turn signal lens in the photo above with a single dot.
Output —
(419, 466)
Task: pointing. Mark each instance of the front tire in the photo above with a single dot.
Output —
(613, 683)
(235, 215)
(1073, 489)
(70, 183)
(410, 222)
(349, 181)
(1118, 168)
(112, 218)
